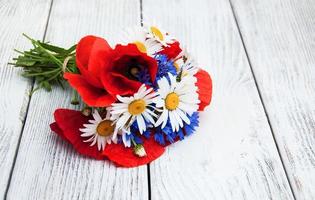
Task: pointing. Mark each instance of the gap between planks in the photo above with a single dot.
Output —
(26, 112)
(260, 96)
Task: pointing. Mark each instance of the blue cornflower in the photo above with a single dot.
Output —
(165, 66)
(166, 134)
(194, 122)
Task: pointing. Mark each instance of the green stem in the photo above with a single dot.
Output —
(27, 54)
(43, 73)
(133, 142)
(75, 98)
(58, 62)
(54, 76)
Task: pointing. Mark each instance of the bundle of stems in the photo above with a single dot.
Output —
(46, 63)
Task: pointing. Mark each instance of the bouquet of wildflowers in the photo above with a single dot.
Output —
(139, 96)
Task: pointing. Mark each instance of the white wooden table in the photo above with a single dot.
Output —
(255, 141)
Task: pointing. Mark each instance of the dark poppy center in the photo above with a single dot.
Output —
(130, 66)
(134, 71)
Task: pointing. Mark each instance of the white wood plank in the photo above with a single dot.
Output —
(233, 154)
(47, 167)
(16, 17)
(279, 36)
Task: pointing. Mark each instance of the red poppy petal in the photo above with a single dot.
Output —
(85, 48)
(69, 122)
(100, 56)
(117, 84)
(54, 127)
(204, 84)
(91, 95)
(125, 157)
(172, 50)
(129, 50)
(88, 57)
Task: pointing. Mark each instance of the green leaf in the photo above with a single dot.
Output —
(61, 83)
(46, 85)
(52, 48)
(25, 62)
(40, 78)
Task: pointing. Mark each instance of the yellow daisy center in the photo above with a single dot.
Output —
(156, 32)
(141, 47)
(105, 128)
(136, 107)
(171, 101)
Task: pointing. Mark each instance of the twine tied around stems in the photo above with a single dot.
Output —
(65, 62)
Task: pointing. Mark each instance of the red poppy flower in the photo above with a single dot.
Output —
(107, 72)
(119, 77)
(172, 51)
(204, 84)
(92, 55)
(125, 157)
(67, 127)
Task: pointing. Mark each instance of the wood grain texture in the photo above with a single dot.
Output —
(280, 39)
(233, 154)
(47, 167)
(16, 17)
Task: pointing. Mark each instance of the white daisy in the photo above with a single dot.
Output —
(134, 108)
(186, 64)
(161, 36)
(176, 99)
(100, 130)
(138, 36)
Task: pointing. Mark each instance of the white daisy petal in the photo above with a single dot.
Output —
(88, 134)
(185, 107)
(150, 96)
(124, 99)
(97, 116)
(173, 121)
(119, 111)
(151, 113)
(90, 139)
(183, 116)
(122, 120)
(89, 125)
(178, 119)
(165, 117)
(115, 134)
(94, 141)
(118, 106)
(115, 140)
(148, 117)
(126, 142)
(84, 130)
(99, 143)
(141, 124)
